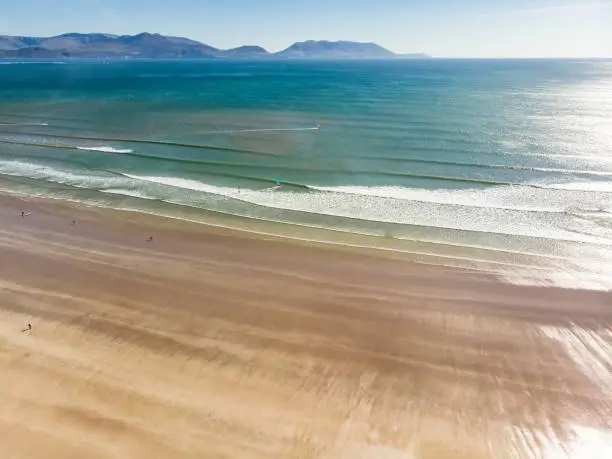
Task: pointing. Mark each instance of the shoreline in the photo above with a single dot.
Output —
(207, 342)
(528, 266)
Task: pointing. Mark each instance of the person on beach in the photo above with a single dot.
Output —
(150, 239)
(73, 223)
(29, 326)
(22, 213)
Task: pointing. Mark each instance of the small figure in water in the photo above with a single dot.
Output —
(73, 223)
(29, 326)
(238, 188)
(23, 213)
(150, 239)
(278, 184)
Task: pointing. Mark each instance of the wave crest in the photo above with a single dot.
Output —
(106, 149)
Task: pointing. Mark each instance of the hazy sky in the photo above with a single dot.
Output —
(461, 28)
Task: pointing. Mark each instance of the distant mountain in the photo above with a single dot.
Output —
(70, 41)
(335, 50)
(148, 45)
(12, 43)
(98, 45)
(35, 52)
(247, 51)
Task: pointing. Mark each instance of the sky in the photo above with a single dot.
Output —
(442, 28)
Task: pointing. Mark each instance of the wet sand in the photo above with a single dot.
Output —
(207, 343)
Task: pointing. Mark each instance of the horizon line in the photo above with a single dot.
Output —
(398, 53)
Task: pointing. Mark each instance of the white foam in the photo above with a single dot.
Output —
(455, 215)
(452, 214)
(505, 197)
(106, 149)
(570, 279)
(232, 131)
(588, 271)
(72, 178)
(24, 124)
(33, 62)
(245, 195)
(601, 186)
(129, 192)
(468, 197)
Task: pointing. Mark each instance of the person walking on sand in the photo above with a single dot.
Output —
(29, 326)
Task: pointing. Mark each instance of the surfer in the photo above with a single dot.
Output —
(278, 184)
(318, 126)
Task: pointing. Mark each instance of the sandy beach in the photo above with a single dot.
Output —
(207, 343)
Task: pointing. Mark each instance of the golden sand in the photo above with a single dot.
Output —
(202, 344)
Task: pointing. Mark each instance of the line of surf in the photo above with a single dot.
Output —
(24, 124)
(264, 233)
(472, 199)
(145, 141)
(369, 234)
(201, 186)
(363, 171)
(441, 149)
(237, 131)
(290, 168)
(220, 174)
(129, 192)
(105, 149)
(101, 182)
(48, 173)
(34, 62)
(41, 145)
(302, 185)
(243, 195)
(479, 269)
(394, 174)
(486, 166)
(408, 194)
(413, 160)
(137, 194)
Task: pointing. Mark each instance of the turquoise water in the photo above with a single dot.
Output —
(498, 165)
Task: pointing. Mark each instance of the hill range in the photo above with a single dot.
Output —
(152, 45)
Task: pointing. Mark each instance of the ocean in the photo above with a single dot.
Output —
(502, 166)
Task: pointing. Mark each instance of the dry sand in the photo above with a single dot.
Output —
(203, 344)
